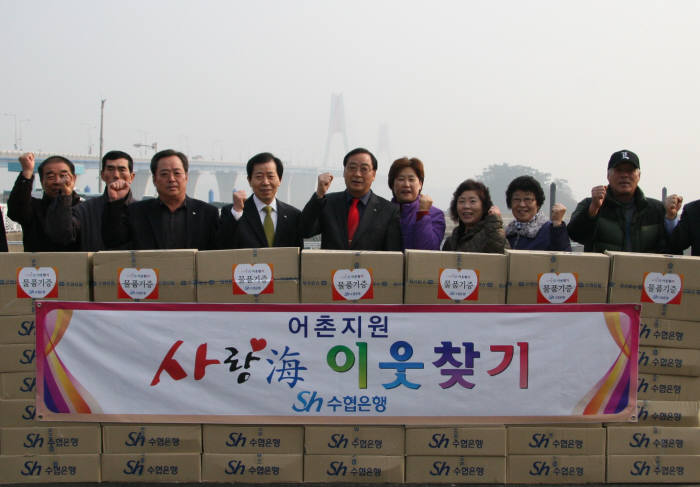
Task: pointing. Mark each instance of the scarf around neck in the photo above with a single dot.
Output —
(526, 229)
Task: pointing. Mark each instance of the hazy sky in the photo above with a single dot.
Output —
(557, 85)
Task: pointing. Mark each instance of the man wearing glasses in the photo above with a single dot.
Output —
(82, 224)
(57, 178)
(354, 219)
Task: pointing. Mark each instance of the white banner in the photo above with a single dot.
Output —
(335, 363)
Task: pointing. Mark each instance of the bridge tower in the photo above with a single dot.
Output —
(336, 124)
(383, 147)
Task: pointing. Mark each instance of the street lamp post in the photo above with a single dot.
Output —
(14, 116)
(19, 144)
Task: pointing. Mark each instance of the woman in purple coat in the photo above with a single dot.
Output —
(531, 230)
(422, 224)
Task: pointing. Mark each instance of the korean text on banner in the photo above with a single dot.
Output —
(388, 364)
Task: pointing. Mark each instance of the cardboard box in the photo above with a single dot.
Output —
(252, 467)
(455, 277)
(655, 332)
(553, 440)
(269, 275)
(152, 438)
(665, 413)
(653, 440)
(17, 329)
(365, 469)
(145, 275)
(19, 357)
(26, 277)
(342, 277)
(669, 361)
(556, 277)
(666, 285)
(449, 469)
(50, 468)
(22, 412)
(668, 388)
(50, 440)
(230, 439)
(550, 469)
(360, 440)
(17, 412)
(653, 469)
(151, 467)
(18, 385)
(462, 441)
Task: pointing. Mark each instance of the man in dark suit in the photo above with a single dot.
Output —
(248, 223)
(173, 220)
(687, 232)
(57, 178)
(82, 224)
(354, 219)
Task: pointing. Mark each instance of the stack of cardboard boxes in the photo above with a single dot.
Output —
(456, 454)
(148, 452)
(33, 451)
(151, 453)
(556, 454)
(354, 454)
(664, 445)
(253, 454)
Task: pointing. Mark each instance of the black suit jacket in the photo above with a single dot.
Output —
(687, 232)
(248, 231)
(138, 226)
(33, 214)
(379, 227)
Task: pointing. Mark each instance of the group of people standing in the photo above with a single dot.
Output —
(616, 217)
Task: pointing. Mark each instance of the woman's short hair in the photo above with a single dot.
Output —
(527, 184)
(470, 185)
(399, 164)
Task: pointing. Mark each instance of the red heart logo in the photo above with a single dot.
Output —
(258, 344)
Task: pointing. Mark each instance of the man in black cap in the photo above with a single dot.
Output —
(619, 217)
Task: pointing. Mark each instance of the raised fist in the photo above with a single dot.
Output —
(324, 182)
(558, 211)
(597, 198)
(673, 205)
(239, 198)
(424, 202)
(27, 162)
(118, 190)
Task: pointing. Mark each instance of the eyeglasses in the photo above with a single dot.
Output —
(527, 201)
(364, 169)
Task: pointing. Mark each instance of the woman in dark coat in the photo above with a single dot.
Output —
(480, 226)
(531, 230)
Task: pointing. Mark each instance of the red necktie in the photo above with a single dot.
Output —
(353, 218)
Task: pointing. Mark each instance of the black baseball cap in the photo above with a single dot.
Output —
(623, 156)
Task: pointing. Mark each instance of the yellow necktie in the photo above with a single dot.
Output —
(269, 227)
